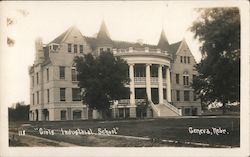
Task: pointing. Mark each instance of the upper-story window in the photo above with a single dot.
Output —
(37, 97)
(53, 46)
(33, 81)
(140, 70)
(73, 74)
(181, 59)
(62, 94)
(108, 50)
(186, 96)
(47, 73)
(177, 78)
(164, 69)
(75, 48)
(69, 47)
(81, 48)
(185, 59)
(76, 94)
(101, 49)
(194, 77)
(188, 58)
(185, 80)
(37, 78)
(177, 95)
(47, 95)
(62, 72)
(154, 70)
(194, 96)
(33, 99)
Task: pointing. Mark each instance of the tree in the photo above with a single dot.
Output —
(218, 29)
(19, 113)
(103, 79)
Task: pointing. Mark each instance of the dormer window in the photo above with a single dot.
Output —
(53, 47)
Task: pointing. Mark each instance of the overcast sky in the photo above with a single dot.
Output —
(127, 21)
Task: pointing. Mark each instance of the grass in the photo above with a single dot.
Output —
(156, 129)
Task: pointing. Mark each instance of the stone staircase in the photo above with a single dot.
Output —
(164, 110)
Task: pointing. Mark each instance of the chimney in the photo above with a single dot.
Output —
(39, 50)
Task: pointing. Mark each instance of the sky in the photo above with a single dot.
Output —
(126, 21)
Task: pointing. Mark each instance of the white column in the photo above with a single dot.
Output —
(168, 85)
(132, 84)
(148, 82)
(160, 82)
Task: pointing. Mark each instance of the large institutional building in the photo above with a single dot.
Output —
(163, 72)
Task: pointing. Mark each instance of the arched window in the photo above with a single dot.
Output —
(73, 73)
(185, 78)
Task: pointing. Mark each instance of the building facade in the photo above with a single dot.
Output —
(161, 74)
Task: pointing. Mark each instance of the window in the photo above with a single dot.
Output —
(177, 95)
(186, 96)
(69, 47)
(188, 59)
(75, 48)
(48, 95)
(154, 70)
(194, 95)
(47, 72)
(81, 48)
(185, 59)
(101, 49)
(55, 47)
(187, 111)
(62, 94)
(121, 112)
(37, 78)
(194, 77)
(164, 93)
(62, 72)
(127, 112)
(33, 81)
(63, 115)
(164, 72)
(76, 94)
(140, 70)
(181, 59)
(77, 115)
(73, 74)
(33, 99)
(37, 97)
(185, 80)
(108, 49)
(177, 79)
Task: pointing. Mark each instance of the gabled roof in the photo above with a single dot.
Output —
(163, 42)
(103, 36)
(174, 47)
(61, 37)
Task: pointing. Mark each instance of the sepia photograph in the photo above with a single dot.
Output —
(108, 78)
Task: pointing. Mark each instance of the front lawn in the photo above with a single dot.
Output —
(154, 129)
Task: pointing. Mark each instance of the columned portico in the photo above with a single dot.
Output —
(148, 82)
(132, 84)
(168, 84)
(160, 82)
